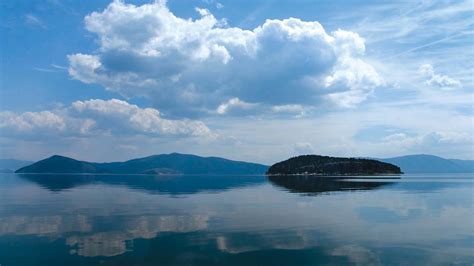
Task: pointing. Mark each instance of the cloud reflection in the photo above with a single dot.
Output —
(112, 243)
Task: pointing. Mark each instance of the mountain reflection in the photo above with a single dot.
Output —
(184, 184)
(316, 185)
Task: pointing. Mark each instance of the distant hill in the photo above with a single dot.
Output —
(11, 165)
(325, 165)
(423, 163)
(165, 164)
(467, 165)
(175, 163)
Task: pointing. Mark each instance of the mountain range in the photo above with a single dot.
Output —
(10, 165)
(175, 163)
(165, 164)
(423, 163)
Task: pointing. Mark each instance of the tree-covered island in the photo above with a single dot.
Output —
(325, 165)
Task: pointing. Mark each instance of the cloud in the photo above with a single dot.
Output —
(296, 109)
(435, 142)
(98, 117)
(52, 69)
(303, 148)
(234, 104)
(119, 115)
(237, 107)
(188, 67)
(29, 121)
(213, 2)
(438, 80)
(34, 21)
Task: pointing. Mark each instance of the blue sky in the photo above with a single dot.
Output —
(249, 80)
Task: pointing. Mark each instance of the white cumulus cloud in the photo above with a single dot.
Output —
(96, 116)
(122, 115)
(29, 121)
(188, 67)
(435, 79)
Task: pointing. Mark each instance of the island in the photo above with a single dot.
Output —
(332, 166)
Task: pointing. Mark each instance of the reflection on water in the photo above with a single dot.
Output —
(44, 225)
(315, 185)
(111, 243)
(149, 183)
(211, 220)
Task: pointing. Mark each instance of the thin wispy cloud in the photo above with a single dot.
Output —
(53, 69)
(34, 21)
(47, 70)
(414, 49)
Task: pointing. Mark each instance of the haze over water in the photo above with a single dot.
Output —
(246, 220)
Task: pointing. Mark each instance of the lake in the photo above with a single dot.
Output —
(236, 220)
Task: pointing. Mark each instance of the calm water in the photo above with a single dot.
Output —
(203, 220)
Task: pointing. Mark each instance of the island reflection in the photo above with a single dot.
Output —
(316, 185)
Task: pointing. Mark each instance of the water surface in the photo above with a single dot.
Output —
(235, 220)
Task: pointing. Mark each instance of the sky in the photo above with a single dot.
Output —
(247, 80)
